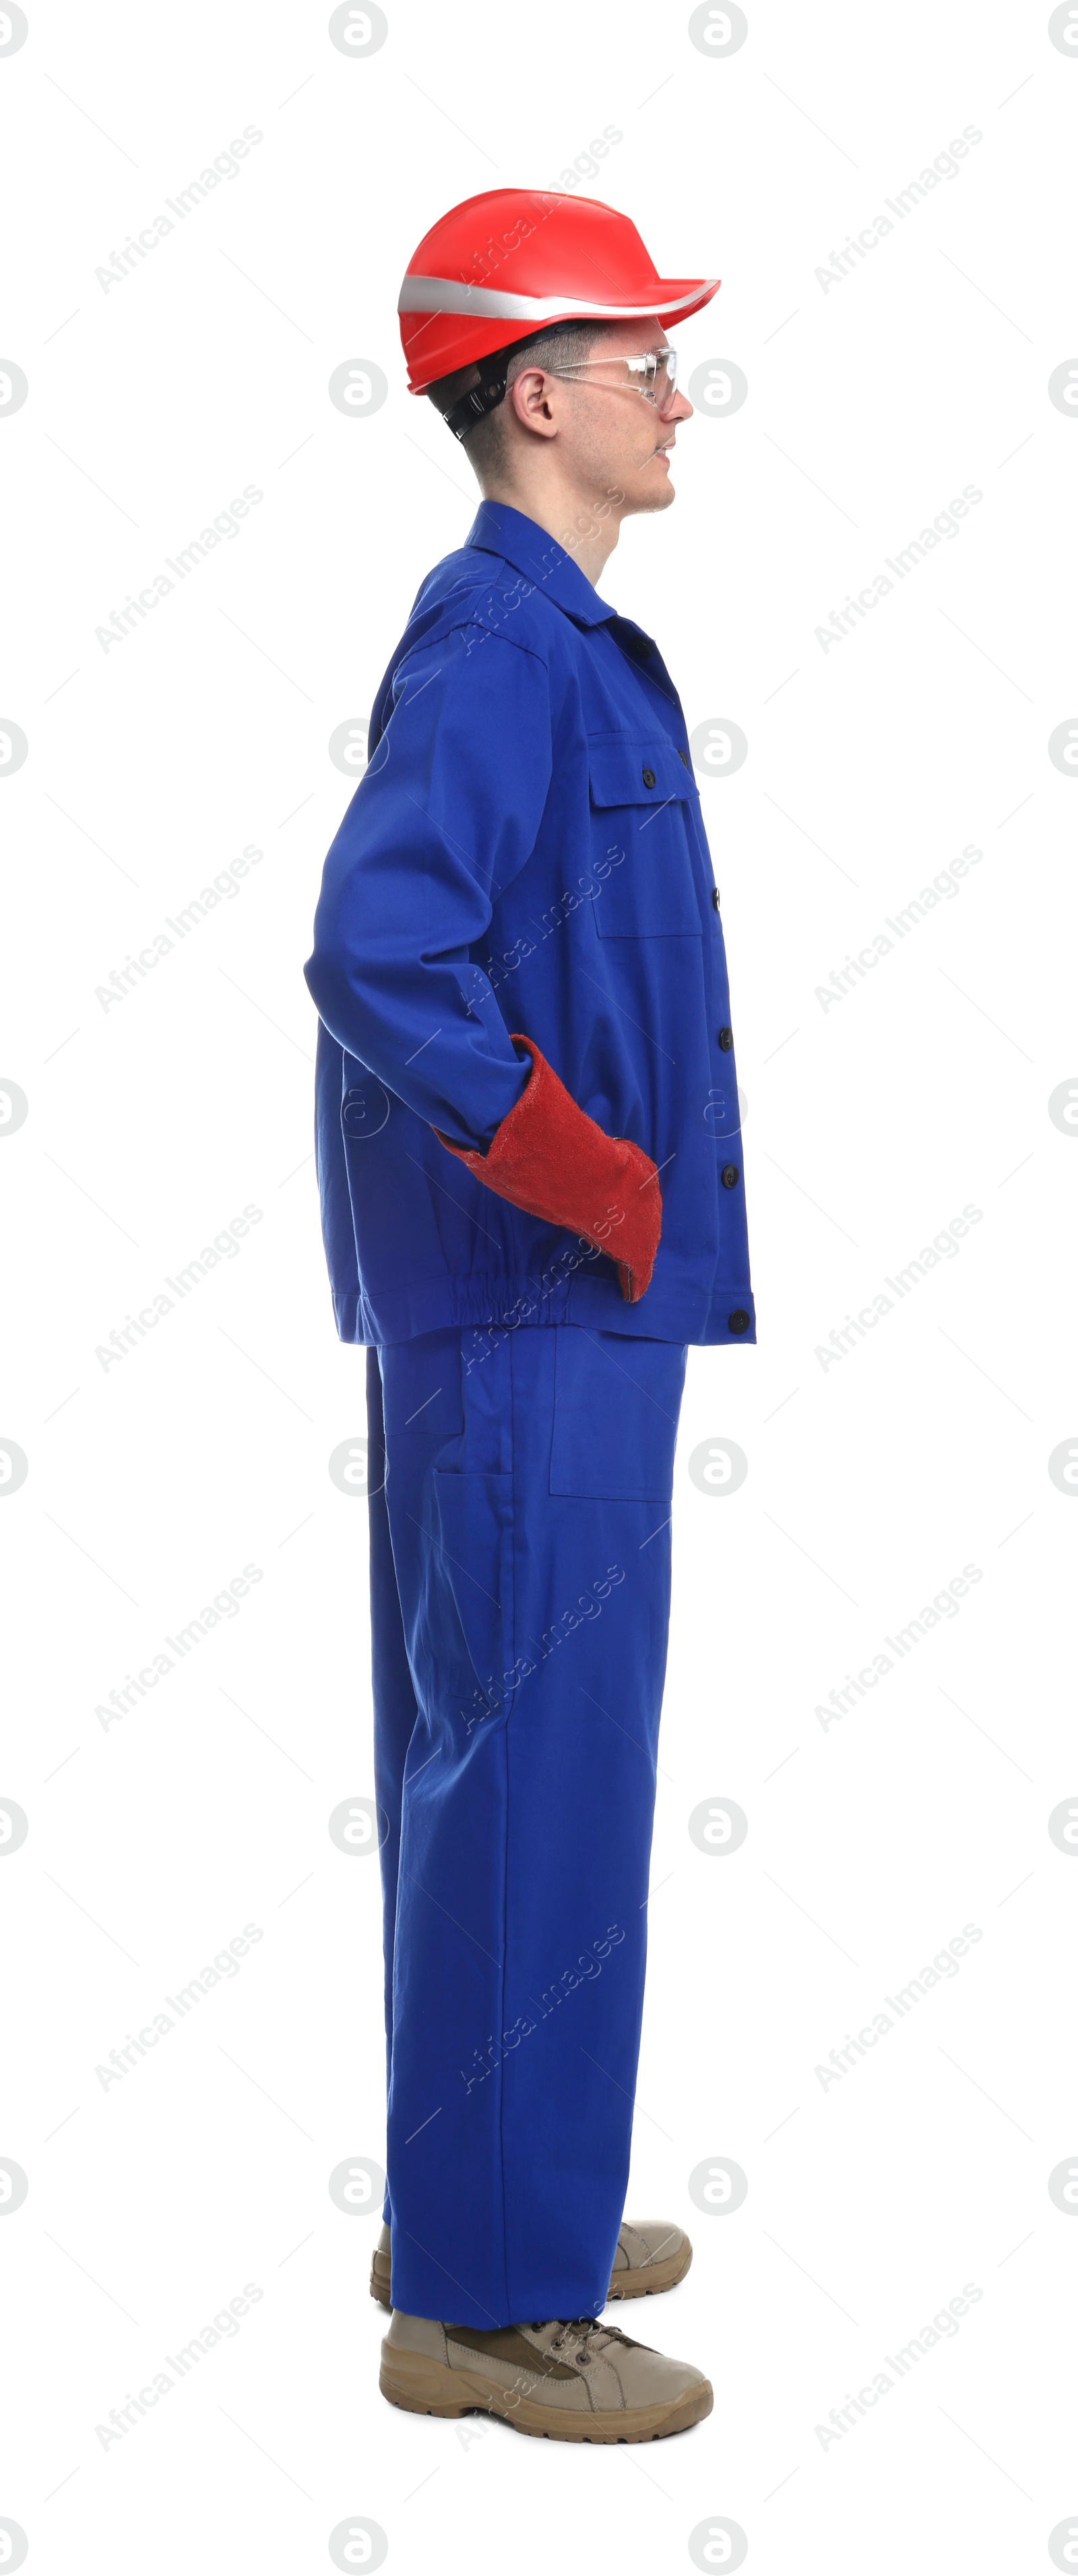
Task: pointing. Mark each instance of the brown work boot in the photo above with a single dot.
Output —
(650, 2255)
(573, 2380)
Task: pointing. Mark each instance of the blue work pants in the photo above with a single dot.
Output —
(520, 1593)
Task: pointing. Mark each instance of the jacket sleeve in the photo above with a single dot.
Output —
(444, 818)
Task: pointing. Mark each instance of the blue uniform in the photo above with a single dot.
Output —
(524, 852)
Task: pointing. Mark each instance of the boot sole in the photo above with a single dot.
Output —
(426, 2387)
(643, 2284)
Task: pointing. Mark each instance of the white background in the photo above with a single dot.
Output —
(871, 1482)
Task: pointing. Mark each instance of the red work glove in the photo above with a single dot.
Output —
(549, 1158)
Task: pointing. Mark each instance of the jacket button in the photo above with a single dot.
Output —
(738, 1322)
(649, 778)
(726, 1040)
(715, 897)
(682, 757)
(730, 1176)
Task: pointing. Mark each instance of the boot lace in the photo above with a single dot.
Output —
(586, 2337)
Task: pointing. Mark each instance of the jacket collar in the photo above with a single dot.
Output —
(498, 530)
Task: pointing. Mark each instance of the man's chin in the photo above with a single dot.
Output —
(656, 492)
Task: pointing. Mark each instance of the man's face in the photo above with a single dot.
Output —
(610, 437)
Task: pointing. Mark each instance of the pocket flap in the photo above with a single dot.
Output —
(620, 768)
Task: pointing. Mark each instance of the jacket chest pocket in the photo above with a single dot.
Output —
(642, 862)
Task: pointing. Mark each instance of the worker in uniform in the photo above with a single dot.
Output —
(530, 1174)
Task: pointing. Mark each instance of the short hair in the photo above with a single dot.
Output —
(485, 444)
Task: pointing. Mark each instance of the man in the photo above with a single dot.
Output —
(532, 1200)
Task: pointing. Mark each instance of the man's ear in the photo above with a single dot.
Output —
(530, 400)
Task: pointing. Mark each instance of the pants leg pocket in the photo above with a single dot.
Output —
(466, 1616)
(616, 1405)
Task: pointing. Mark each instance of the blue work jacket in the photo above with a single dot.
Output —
(525, 851)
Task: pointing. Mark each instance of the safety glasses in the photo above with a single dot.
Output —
(652, 373)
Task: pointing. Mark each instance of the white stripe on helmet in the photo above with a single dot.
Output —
(495, 304)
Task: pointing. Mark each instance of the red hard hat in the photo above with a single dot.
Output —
(518, 259)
